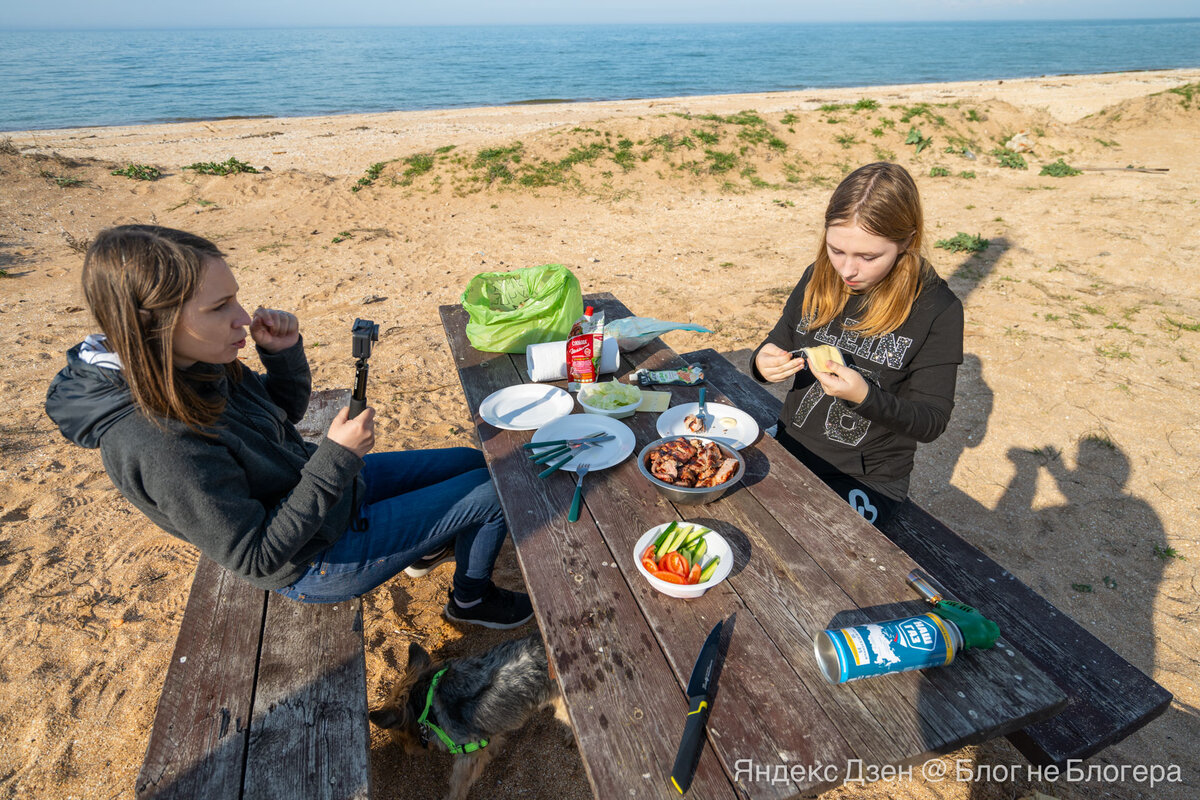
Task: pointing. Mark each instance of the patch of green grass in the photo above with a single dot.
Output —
(1093, 309)
(1167, 553)
(1112, 352)
(1107, 142)
(784, 203)
(720, 162)
(938, 172)
(1188, 92)
(444, 149)
(706, 137)
(1059, 169)
(1183, 326)
(1083, 588)
(371, 175)
(231, 166)
(917, 138)
(200, 201)
(846, 140)
(623, 155)
(789, 119)
(418, 165)
(495, 161)
(1051, 317)
(343, 236)
(966, 173)
(1009, 158)
(963, 243)
(973, 116)
(883, 154)
(139, 172)
(667, 142)
(866, 104)
(877, 131)
(922, 110)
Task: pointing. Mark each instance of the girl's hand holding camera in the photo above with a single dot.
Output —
(356, 435)
(274, 330)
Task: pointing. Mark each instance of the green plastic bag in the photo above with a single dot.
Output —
(531, 305)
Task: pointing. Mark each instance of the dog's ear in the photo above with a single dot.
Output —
(386, 717)
(418, 659)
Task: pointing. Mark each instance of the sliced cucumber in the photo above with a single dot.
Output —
(709, 569)
(658, 541)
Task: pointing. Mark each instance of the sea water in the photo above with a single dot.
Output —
(55, 79)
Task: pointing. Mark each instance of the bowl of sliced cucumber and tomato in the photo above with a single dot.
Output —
(683, 559)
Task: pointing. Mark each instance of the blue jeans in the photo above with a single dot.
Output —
(417, 502)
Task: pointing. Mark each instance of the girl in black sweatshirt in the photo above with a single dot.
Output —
(872, 296)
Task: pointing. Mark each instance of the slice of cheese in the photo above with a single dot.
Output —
(655, 401)
(817, 357)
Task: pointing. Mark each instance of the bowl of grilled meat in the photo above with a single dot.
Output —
(691, 470)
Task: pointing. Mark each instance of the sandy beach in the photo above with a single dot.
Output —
(1071, 458)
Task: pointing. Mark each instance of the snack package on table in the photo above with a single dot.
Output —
(690, 376)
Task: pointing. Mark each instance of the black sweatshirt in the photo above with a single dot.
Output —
(254, 497)
(910, 375)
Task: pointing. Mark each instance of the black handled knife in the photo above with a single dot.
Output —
(699, 691)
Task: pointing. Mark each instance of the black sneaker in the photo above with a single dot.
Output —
(425, 564)
(499, 608)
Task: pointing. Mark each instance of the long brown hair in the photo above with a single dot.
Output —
(882, 199)
(136, 279)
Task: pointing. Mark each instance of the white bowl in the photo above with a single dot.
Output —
(616, 413)
(717, 546)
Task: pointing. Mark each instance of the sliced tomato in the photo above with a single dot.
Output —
(674, 562)
(669, 577)
(650, 566)
(694, 575)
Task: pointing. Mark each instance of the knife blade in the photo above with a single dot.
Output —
(702, 410)
(699, 691)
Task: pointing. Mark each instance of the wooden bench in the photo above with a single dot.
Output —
(264, 697)
(1108, 698)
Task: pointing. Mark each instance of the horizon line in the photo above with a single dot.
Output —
(318, 26)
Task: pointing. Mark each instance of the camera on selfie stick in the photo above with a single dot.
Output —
(363, 333)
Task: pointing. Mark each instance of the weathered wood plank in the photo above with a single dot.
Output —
(198, 743)
(881, 719)
(627, 723)
(1109, 698)
(308, 734)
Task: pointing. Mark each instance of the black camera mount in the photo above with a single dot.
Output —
(363, 334)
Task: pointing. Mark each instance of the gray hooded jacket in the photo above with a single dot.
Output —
(252, 496)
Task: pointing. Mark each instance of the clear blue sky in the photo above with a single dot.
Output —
(321, 13)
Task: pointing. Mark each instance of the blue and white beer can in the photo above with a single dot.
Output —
(879, 648)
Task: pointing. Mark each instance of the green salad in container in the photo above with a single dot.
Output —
(610, 395)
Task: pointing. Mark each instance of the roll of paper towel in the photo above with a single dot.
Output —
(548, 361)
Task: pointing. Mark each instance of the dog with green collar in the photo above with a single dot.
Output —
(466, 705)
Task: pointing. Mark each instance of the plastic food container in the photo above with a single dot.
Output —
(717, 546)
(619, 412)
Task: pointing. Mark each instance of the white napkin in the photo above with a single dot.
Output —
(548, 361)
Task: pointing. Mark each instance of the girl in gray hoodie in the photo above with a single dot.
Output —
(208, 449)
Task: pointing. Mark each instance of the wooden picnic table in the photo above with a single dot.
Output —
(804, 561)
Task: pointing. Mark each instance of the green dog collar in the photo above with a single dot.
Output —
(423, 721)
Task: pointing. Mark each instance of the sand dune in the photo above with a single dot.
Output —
(1071, 457)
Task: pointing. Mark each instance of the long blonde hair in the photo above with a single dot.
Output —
(882, 199)
(136, 279)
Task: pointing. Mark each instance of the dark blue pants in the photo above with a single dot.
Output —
(416, 502)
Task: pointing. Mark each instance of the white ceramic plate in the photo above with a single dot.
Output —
(525, 407)
(717, 546)
(576, 426)
(743, 430)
